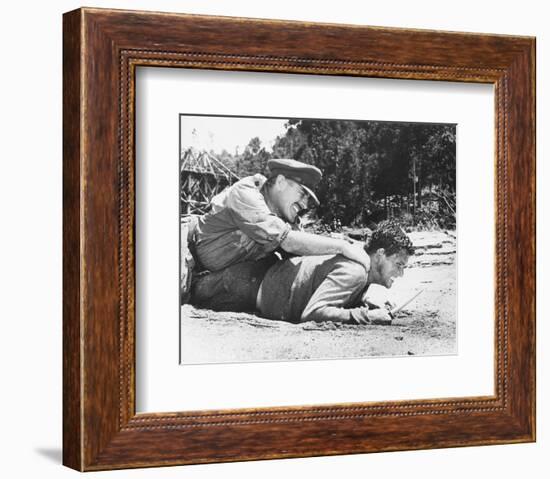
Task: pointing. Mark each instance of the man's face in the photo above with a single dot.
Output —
(391, 267)
(291, 200)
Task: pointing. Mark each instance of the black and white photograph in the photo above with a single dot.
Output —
(308, 238)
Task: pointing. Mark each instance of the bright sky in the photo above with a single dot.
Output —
(219, 133)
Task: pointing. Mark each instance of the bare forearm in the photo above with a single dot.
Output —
(308, 244)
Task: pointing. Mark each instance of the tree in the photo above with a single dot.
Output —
(372, 170)
(253, 159)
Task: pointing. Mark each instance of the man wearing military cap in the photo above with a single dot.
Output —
(247, 223)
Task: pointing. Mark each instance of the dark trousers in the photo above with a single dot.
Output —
(234, 288)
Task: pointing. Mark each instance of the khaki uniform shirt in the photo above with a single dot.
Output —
(240, 227)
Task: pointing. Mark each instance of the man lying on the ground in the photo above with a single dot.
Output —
(316, 288)
(331, 288)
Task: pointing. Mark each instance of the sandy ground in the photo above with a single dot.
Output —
(427, 326)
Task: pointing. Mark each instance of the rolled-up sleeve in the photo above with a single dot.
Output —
(250, 214)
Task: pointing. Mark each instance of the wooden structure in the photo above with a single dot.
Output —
(202, 176)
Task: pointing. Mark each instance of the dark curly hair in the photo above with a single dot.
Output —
(389, 235)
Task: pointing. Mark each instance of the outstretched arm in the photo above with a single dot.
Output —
(308, 244)
(359, 315)
(338, 294)
(338, 298)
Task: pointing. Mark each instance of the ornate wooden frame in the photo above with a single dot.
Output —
(101, 49)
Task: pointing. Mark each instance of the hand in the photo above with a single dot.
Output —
(355, 252)
(359, 315)
(389, 305)
(379, 316)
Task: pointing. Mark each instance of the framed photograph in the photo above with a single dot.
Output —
(381, 155)
(286, 239)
